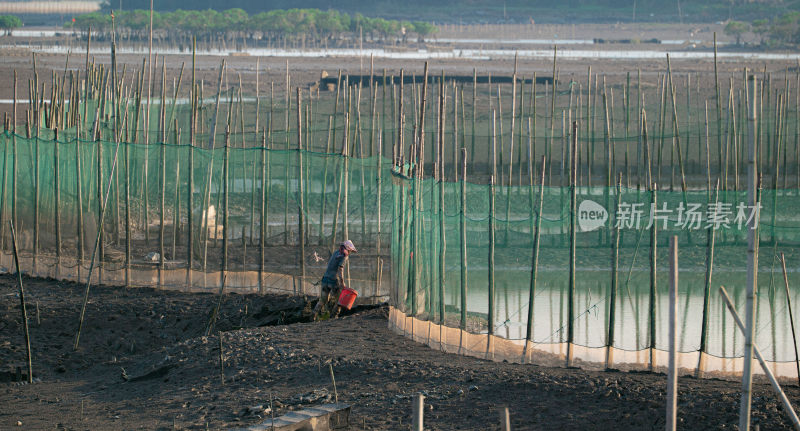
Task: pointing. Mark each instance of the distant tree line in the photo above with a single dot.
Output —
(783, 30)
(493, 11)
(9, 23)
(309, 24)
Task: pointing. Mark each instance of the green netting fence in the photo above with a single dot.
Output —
(240, 211)
(432, 278)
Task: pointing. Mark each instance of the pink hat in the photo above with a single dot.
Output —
(348, 245)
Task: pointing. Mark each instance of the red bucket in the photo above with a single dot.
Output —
(347, 298)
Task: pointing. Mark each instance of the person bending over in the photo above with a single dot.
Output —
(333, 279)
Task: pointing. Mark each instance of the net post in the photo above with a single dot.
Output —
(672, 376)
(572, 239)
(463, 320)
(300, 179)
(440, 168)
(535, 258)
(57, 201)
(701, 365)
(653, 281)
(752, 258)
(612, 305)
(262, 216)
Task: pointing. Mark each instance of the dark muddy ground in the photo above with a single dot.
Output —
(173, 372)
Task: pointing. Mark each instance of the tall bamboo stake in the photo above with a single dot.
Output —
(653, 287)
(463, 223)
(176, 205)
(286, 173)
(676, 129)
(672, 376)
(162, 179)
(474, 110)
(190, 169)
(23, 307)
(262, 216)
(612, 300)
(573, 209)
(710, 236)
(752, 260)
(440, 175)
(791, 316)
(14, 154)
(718, 105)
(57, 199)
(379, 178)
(491, 290)
(79, 201)
(300, 194)
(36, 191)
(536, 236)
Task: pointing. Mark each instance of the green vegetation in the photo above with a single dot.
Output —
(781, 31)
(292, 24)
(737, 29)
(9, 22)
(516, 11)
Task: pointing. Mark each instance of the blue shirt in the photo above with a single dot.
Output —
(336, 261)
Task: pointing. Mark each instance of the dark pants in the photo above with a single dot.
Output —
(329, 298)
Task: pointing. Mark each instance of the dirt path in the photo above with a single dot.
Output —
(157, 338)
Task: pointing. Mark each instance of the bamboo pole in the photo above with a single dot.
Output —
(418, 411)
(463, 320)
(262, 224)
(3, 210)
(288, 97)
(400, 154)
(536, 235)
(710, 236)
(505, 420)
(226, 197)
(56, 199)
(676, 128)
(342, 180)
(79, 201)
(176, 205)
(718, 106)
(361, 166)
(162, 179)
(300, 194)
(128, 232)
(787, 405)
(36, 192)
(474, 111)
(653, 280)
(752, 261)
(190, 169)
(573, 209)
(23, 307)
(612, 300)
(491, 312)
(379, 179)
(14, 154)
(672, 376)
(791, 316)
(440, 175)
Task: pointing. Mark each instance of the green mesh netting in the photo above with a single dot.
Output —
(639, 315)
